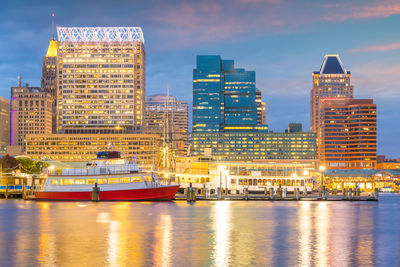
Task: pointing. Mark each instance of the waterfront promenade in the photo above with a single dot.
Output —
(216, 233)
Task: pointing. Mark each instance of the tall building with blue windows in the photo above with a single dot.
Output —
(229, 117)
(224, 97)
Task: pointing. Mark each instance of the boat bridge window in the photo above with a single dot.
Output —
(148, 178)
(113, 180)
(68, 181)
(102, 180)
(90, 181)
(124, 180)
(136, 180)
(80, 181)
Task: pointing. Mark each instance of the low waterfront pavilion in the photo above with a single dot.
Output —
(363, 179)
(255, 175)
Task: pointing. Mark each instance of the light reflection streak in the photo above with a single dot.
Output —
(322, 225)
(112, 252)
(222, 228)
(46, 239)
(162, 255)
(305, 221)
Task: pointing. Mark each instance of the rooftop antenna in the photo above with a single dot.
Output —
(52, 25)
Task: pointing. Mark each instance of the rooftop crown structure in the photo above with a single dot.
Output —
(100, 34)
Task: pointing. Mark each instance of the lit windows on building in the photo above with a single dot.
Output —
(347, 136)
(103, 70)
(331, 81)
(225, 98)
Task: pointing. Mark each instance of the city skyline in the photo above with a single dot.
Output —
(283, 70)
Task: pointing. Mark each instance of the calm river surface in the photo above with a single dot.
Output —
(203, 234)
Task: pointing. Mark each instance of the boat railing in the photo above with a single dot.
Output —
(96, 170)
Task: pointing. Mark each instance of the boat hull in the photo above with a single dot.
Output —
(155, 193)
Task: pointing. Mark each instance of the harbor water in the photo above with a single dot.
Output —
(205, 233)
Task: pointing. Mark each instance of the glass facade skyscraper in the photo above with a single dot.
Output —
(229, 117)
(224, 97)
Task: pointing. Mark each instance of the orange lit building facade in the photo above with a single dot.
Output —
(331, 81)
(347, 135)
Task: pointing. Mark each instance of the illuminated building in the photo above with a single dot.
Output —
(168, 117)
(224, 97)
(5, 123)
(384, 163)
(253, 145)
(78, 147)
(31, 110)
(253, 174)
(347, 136)
(331, 81)
(101, 80)
(49, 78)
(261, 109)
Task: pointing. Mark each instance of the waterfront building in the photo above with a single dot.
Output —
(253, 145)
(347, 136)
(255, 175)
(384, 163)
(331, 81)
(5, 123)
(31, 112)
(168, 117)
(224, 97)
(81, 147)
(49, 78)
(101, 80)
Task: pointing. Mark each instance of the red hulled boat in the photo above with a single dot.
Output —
(107, 178)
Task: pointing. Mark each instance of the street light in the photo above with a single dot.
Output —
(322, 170)
(221, 168)
(226, 173)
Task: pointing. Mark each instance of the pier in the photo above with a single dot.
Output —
(192, 194)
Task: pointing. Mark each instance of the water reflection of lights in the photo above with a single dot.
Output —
(222, 229)
(112, 252)
(163, 241)
(305, 221)
(322, 226)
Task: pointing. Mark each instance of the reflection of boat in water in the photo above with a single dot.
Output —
(107, 178)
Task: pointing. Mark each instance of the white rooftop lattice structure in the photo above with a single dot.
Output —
(100, 34)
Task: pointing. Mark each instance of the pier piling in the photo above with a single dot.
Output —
(95, 193)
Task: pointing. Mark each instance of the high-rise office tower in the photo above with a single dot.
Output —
(31, 109)
(49, 78)
(331, 81)
(347, 136)
(224, 97)
(168, 117)
(101, 80)
(5, 122)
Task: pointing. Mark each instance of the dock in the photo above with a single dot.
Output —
(17, 191)
(192, 194)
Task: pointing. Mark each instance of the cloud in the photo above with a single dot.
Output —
(355, 11)
(187, 23)
(376, 80)
(377, 48)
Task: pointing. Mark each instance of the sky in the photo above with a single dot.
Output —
(283, 41)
